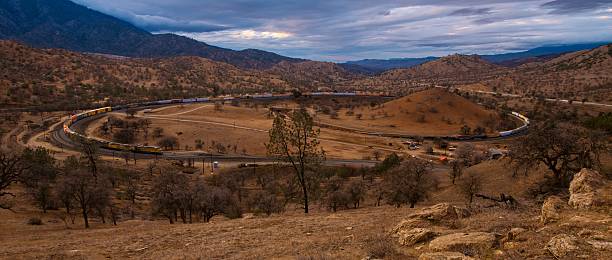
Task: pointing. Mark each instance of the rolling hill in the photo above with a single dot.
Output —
(430, 112)
(456, 66)
(577, 75)
(59, 79)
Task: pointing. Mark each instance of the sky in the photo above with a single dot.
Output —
(341, 30)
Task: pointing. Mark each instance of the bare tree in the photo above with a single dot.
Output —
(294, 140)
(564, 149)
(165, 197)
(409, 183)
(39, 176)
(89, 151)
(11, 168)
(456, 170)
(470, 186)
(87, 192)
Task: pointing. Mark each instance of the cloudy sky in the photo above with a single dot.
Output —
(339, 30)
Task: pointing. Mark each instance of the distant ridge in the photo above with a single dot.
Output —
(64, 24)
(505, 59)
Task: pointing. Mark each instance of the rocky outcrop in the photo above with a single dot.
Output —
(444, 256)
(475, 242)
(414, 236)
(551, 209)
(589, 189)
(441, 212)
(562, 245)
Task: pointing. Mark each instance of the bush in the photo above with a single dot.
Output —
(266, 203)
(35, 221)
(379, 246)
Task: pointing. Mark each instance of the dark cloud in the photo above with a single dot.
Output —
(574, 6)
(158, 24)
(349, 29)
(471, 11)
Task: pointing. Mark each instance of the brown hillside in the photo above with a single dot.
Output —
(429, 112)
(311, 74)
(31, 76)
(577, 75)
(450, 66)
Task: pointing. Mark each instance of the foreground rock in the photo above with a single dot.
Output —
(414, 236)
(441, 212)
(551, 209)
(444, 256)
(589, 189)
(562, 245)
(416, 228)
(475, 242)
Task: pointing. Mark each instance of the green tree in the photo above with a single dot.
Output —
(293, 140)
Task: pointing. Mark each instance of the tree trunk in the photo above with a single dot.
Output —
(305, 190)
(85, 219)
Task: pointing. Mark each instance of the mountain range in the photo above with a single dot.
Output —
(64, 24)
(67, 25)
(512, 59)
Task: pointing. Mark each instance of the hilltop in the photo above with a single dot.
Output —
(458, 66)
(430, 112)
(61, 78)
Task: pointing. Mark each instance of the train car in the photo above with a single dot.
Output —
(148, 149)
(344, 94)
(188, 100)
(118, 146)
(163, 102)
(202, 99)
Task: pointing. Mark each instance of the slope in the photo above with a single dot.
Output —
(62, 79)
(430, 112)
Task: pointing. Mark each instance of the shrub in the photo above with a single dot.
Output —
(266, 203)
(35, 221)
(379, 246)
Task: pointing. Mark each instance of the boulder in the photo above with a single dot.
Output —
(444, 256)
(414, 236)
(589, 189)
(551, 209)
(562, 245)
(440, 212)
(476, 242)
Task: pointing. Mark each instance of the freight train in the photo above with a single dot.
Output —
(266, 96)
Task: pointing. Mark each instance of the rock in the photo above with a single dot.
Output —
(514, 233)
(444, 256)
(551, 209)
(600, 245)
(439, 212)
(415, 236)
(589, 189)
(562, 245)
(408, 224)
(476, 242)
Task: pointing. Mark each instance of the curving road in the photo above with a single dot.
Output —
(59, 138)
